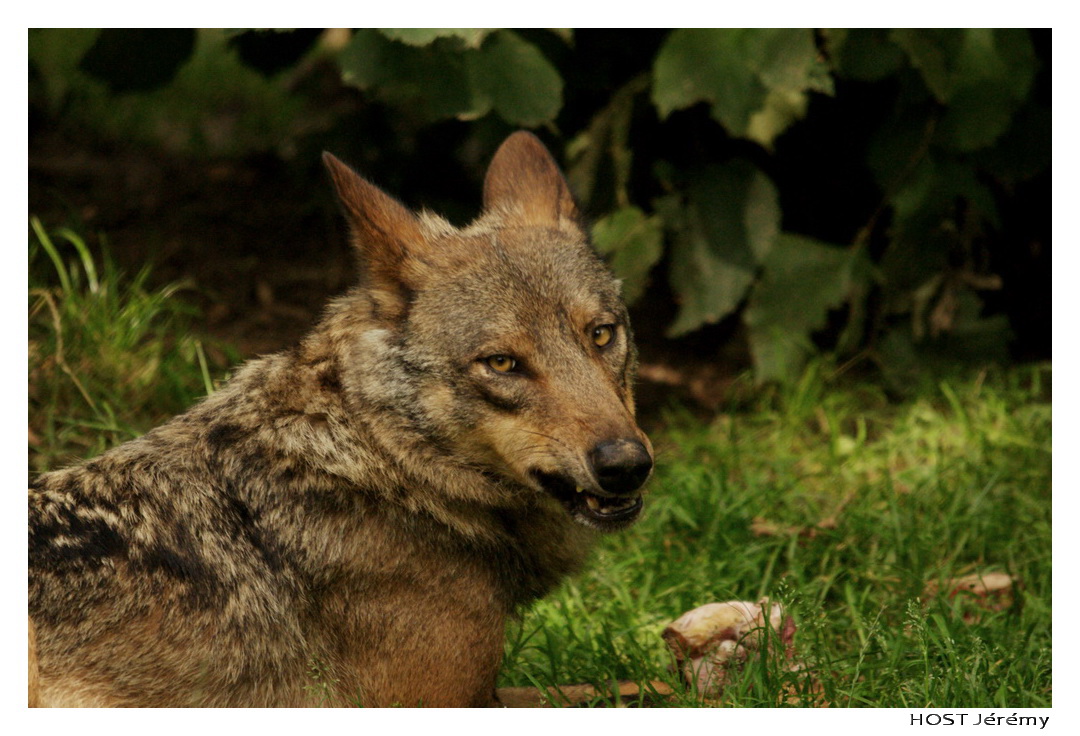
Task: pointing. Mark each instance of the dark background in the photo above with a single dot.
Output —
(251, 222)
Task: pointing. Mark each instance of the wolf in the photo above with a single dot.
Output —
(355, 519)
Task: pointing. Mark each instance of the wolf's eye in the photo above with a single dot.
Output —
(501, 363)
(603, 335)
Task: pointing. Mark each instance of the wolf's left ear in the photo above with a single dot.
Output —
(384, 232)
(524, 179)
(382, 227)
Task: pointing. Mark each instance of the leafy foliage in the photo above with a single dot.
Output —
(801, 280)
(463, 74)
(691, 151)
(756, 80)
(634, 243)
(981, 74)
(723, 229)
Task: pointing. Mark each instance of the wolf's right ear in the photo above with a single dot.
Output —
(382, 230)
(524, 180)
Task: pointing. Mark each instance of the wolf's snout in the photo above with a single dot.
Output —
(621, 465)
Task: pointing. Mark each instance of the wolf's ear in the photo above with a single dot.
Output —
(382, 229)
(524, 179)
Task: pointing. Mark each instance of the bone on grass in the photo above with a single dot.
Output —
(711, 642)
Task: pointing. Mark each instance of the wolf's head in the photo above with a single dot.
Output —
(505, 344)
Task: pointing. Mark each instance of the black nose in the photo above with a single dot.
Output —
(621, 466)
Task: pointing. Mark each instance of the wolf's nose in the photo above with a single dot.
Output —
(621, 466)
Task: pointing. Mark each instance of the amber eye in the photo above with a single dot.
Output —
(501, 363)
(603, 335)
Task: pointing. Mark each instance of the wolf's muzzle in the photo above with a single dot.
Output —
(621, 466)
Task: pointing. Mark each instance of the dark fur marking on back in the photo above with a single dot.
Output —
(180, 562)
(287, 474)
(255, 463)
(179, 558)
(246, 526)
(333, 501)
(330, 379)
(66, 541)
(224, 434)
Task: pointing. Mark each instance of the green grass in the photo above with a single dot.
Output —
(109, 356)
(867, 501)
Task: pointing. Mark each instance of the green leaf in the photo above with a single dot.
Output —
(787, 59)
(926, 227)
(633, 243)
(779, 353)
(934, 187)
(755, 80)
(983, 75)
(780, 109)
(903, 139)
(978, 115)
(973, 339)
(59, 50)
(726, 227)
(445, 78)
(696, 65)
(801, 281)
(434, 79)
(471, 37)
(56, 53)
(865, 54)
(522, 85)
(1024, 151)
(933, 52)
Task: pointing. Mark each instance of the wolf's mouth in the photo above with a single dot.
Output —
(603, 512)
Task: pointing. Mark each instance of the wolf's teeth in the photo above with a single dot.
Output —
(580, 489)
(594, 502)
